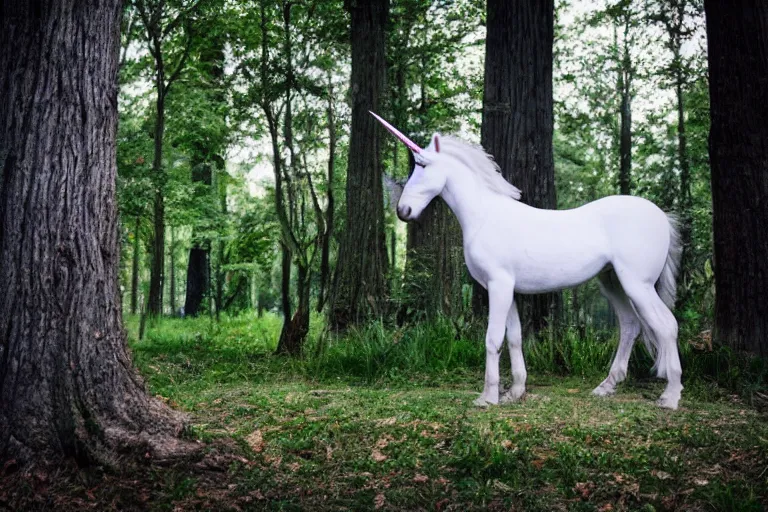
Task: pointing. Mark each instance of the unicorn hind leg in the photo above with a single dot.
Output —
(629, 328)
(660, 328)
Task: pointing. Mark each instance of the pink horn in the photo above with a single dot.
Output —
(394, 131)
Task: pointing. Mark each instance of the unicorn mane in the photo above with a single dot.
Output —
(474, 157)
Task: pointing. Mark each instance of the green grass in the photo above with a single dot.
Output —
(383, 420)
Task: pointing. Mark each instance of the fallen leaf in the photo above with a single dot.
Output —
(606, 508)
(294, 466)
(574, 390)
(256, 441)
(661, 475)
(538, 463)
(700, 481)
(379, 501)
(507, 444)
(420, 479)
(386, 422)
(584, 489)
(378, 456)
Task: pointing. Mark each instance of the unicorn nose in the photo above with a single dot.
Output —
(403, 213)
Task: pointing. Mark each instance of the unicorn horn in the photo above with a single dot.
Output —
(394, 131)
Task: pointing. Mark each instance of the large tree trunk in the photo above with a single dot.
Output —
(737, 33)
(517, 114)
(360, 291)
(66, 383)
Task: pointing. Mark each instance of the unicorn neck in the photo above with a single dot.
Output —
(468, 199)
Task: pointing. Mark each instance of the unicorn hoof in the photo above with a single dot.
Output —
(483, 402)
(668, 402)
(602, 390)
(511, 396)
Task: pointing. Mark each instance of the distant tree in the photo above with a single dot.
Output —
(677, 18)
(427, 87)
(518, 114)
(737, 34)
(67, 388)
(162, 21)
(360, 291)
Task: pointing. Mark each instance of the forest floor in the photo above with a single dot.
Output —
(277, 439)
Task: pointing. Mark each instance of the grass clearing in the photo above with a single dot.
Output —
(370, 432)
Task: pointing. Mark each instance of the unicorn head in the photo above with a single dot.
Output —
(426, 181)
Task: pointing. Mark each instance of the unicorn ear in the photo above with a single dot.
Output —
(434, 144)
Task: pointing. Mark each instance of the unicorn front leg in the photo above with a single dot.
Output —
(500, 299)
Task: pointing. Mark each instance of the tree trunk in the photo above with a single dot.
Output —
(686, 199)
(221, 191)
(360, 291)
(434, 264)
(172, 265)
(197, 279)
(296, 329)
(625, 114)
(67, 388)
(158, 244)
(737, 34)
(325, 257)
(135, 268)
(517, 115)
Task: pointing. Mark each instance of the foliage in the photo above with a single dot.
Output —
(278, 437)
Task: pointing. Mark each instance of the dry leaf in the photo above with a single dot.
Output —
(700, 481)
(661, 475)
(574, 390)
(379, 501)
(584, 489)
(256, 441)
(507, 444)
(420, 479)
(378, 456)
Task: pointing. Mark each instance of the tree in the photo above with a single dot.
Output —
(161, 22)
(738, 67)
(360, 291)
(66, 383)
(517, 113)
(427, 86)
(676, 17)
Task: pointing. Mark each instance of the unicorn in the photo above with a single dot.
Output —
(627, 242)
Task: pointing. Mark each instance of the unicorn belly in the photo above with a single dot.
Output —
(542, 260)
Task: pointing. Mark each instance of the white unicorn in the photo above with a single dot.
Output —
(509, 247)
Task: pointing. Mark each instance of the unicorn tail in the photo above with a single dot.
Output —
(666, 286)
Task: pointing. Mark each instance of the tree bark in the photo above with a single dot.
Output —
(67, 388)
(360, 292)
(518, 117)
(737, 34)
